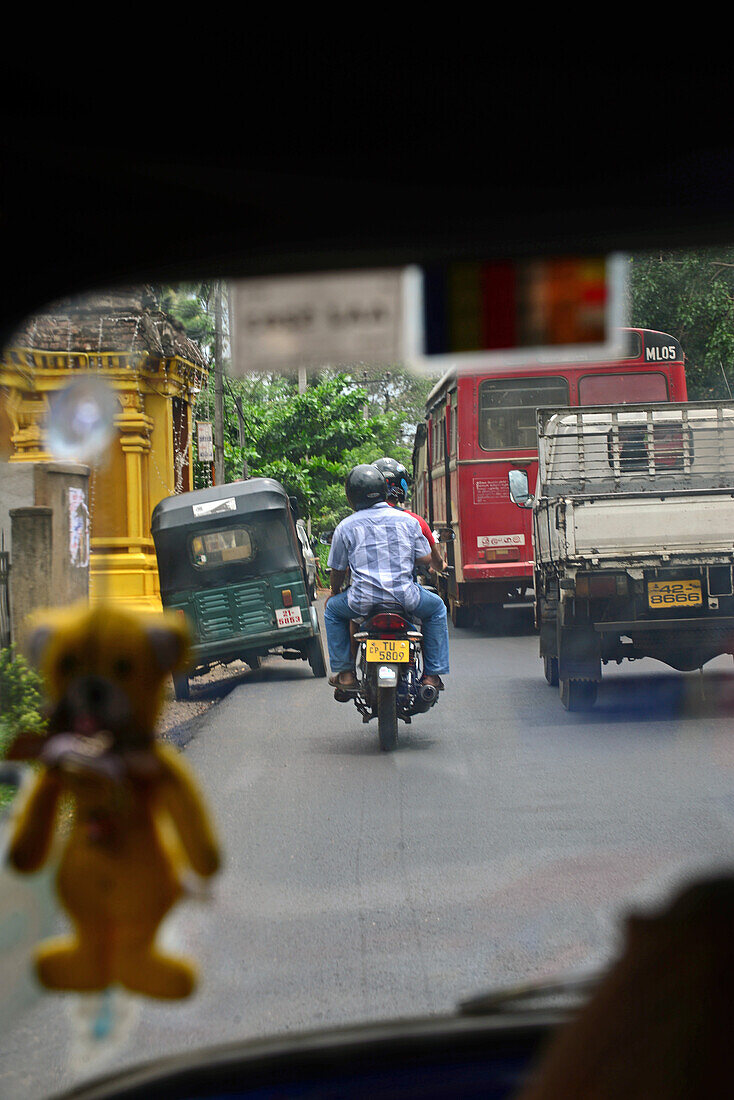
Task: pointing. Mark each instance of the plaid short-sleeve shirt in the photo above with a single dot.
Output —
(380, 545)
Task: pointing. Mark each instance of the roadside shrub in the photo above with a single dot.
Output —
(21, 693)
(21, 700)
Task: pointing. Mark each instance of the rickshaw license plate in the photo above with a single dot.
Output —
(288, 616)
(674, 593)
(388, 652)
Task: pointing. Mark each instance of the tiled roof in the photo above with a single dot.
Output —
(123, 320)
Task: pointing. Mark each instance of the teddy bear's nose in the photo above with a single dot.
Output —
(95, 690)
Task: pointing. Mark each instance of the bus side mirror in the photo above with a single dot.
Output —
(446, 534)
(295, 510)
(520, 489)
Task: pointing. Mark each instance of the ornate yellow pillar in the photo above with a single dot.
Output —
(27, 411)
(134, 428)
(120, 336)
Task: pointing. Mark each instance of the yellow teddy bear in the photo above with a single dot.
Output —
(137, 816)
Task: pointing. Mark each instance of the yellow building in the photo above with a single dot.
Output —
(155, 372)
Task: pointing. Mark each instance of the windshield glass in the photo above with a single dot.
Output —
(358, 832)
(622, 388)
(507, 410)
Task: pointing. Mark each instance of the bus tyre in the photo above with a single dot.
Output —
(181, 688)
(315, 655)
(550, 668)
(255, 663)
(578, 694)
(387, 718)
(459, 615)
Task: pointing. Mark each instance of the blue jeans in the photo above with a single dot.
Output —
(431, 612)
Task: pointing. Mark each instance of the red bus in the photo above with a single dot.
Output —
(480, 425)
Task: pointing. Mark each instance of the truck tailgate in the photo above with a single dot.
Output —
(646, 524)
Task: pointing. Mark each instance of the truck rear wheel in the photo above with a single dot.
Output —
(578, 694)
(550, 668)
(459, 615)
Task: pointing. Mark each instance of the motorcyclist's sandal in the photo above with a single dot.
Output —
(343, 692)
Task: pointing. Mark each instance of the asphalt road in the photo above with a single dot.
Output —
(502, 842)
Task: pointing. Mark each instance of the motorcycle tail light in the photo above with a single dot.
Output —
(386, 621)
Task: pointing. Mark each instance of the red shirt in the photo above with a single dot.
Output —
(424, 526)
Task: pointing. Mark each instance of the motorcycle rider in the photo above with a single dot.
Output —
(396, 478)
(380, 546)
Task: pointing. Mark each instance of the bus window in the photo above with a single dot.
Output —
(622, 389)
(507, 410)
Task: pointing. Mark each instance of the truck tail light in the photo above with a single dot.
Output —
(610, 584)
(287, 597)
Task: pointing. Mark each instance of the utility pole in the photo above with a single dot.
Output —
(218, 388)
(242, 435)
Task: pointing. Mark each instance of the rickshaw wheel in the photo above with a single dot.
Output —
(315, 655)
(181, 688)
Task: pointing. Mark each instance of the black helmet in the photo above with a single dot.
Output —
(365, 486)
(396, 477)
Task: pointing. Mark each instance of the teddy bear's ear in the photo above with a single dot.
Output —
(169, 640)
(36, 642)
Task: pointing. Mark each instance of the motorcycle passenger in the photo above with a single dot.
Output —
(396, 478)
(380, 546)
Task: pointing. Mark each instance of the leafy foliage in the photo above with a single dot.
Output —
(690, 295)
(308, 441)
(20, 694)
(20, 704)
(191, 304)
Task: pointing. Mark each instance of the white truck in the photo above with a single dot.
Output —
(633, 533)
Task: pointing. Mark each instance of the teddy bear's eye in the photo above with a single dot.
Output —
(122, 667)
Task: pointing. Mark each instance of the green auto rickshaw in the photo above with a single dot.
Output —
(230, 560)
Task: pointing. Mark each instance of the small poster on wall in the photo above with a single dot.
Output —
(204, 441)
(78, 529)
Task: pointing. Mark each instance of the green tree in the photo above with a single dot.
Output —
(192, 304)
(307, 441)
(690, 295)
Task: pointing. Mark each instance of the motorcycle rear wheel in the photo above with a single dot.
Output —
(387, 718)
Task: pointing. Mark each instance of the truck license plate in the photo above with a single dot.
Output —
(674, 593)
(388, 652)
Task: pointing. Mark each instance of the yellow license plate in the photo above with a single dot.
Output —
(388, 652)
(674, 593)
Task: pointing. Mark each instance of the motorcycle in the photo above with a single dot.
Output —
(389, 670)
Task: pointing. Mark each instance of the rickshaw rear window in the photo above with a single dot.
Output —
(219, 547)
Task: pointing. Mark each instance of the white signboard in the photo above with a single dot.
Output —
(326, 320)
(213, 507)
(204, 441)
(500, 540)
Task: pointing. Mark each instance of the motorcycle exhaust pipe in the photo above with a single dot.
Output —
(427, 696)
